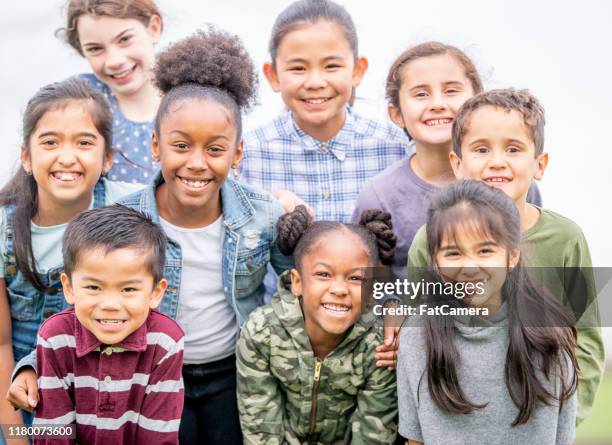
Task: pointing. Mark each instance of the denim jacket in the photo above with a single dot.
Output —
(29, 307)
(249, 243)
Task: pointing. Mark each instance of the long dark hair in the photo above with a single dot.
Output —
(541, 333)
(21, 191)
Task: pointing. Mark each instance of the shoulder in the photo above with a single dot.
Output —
(159, 325)
(559, 226)
(61, 324)
(271, 131)
(116, 190)
(386, 180)
(260, 200)
(260, 325)
(132, 199)
(93, 81)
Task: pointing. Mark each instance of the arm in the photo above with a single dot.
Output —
(260, 401)
(7, 414)
(23, 392)
(374, 420)
(163, 401)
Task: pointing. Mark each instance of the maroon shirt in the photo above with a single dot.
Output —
(127, 393)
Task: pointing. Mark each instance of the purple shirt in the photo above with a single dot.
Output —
(126, 393)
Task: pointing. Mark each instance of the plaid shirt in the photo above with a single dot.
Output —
(327, 175)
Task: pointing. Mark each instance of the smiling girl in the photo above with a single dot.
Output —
(306, 368)
(509, 377)
(66, 149)
(117, 37)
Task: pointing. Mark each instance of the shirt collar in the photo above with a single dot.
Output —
(338, 145)
(86, 342)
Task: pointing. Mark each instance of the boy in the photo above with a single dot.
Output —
(498, 138)
(112, 364)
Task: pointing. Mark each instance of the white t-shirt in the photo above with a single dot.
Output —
(203, 312)
(47, 241)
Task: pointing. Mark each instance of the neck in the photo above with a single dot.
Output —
(187, 217)
(322, 343)
(528, 213)
(52, 213)
(325, 131)
(142, 105)
(431, 164)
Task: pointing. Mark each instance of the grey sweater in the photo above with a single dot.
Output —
(482, 349)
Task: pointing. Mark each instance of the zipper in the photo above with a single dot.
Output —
(313, 397)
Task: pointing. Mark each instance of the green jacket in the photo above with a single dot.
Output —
(288, 396)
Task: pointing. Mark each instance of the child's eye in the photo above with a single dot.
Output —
(93, 50)
(513, 149)
(333, 66)
(297, 69)
(452, 254)
(356, 278)
(181, 146)
(216, 149)
(92, 287)
(420, 94)
(323, 274)
(125, 39)
(130, 289)
(50, 143)
(481, 149)
(85, 144)
(452, 91)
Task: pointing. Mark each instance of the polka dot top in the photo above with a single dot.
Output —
(131, 141)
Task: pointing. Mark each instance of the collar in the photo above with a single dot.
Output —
(338, 145)
(236, 206)
(86, 342)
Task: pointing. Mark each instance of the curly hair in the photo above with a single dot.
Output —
(210, 64)
(297, 233)
(508, 99)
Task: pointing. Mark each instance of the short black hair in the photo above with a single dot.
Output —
(112, 228)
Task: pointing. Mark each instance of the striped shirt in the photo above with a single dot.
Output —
(327, 175)
(128, 393)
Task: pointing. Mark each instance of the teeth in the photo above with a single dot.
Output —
(122, 73)
(433, 122)
(111, 321)
(316, 101)
(335, 308)
(195, 184)
(66, 176)
(497, 180)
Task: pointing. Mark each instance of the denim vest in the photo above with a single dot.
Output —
(29, 306)
(249, 243)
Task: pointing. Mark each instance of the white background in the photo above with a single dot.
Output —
(560, 50)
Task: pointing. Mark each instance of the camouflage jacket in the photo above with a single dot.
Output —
(286, 395)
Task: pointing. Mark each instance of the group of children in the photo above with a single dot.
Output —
(144, 322)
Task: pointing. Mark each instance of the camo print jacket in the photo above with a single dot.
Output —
(288, 396)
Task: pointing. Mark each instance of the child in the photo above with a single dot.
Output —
(112, 364)
(508, 376)
(319, 148)
(426, 86)
(207, 80)
(498, 138)
(306, 370)
(67, 129)
(117, 37)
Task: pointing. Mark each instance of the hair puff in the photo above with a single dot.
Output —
(290, 228)
(379, 224)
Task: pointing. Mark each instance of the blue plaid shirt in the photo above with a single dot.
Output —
(327, 175)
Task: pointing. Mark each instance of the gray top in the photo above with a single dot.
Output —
(482, 346)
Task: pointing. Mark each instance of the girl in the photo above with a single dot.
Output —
(507, 376)
(319, 148)
(67, 129)
(117, 37)
(207, 80)
(305, 363)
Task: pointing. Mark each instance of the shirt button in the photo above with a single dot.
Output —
(323, 148)
(108, 351)
(325, 195)
(107, 379)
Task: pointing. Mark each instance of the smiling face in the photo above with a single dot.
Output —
(432, 91)
(112, 292)
(469, 255)
(315, 71)
(66, 155)
(329, 281)
(498, 149)
(196, 148)
(120, 51)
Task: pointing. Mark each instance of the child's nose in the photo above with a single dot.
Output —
(67, 155)
(339, 287)
(110, 302)
(197, 161)
(114, 57)
(315, 79)
(437, 101)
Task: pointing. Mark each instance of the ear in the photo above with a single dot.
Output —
(542, 162)
(154, 147)
(359, 70)
(269, 71)
(158, 293)
(26, 162)
(513, 258)
(107, 163)
(455, 162)
(68, 291)
(238, 155)
(395, 114)
(155, 28)
(296, 283)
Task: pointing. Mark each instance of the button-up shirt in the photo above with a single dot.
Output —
(131, 392)
(328, 175)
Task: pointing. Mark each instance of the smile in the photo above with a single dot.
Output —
(111, 322)
(497, 181)
(316, 101)
(335, 308)
(66, 176)
(434, 122)
(195, 183)
(123, 74)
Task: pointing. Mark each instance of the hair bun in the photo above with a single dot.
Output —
(379, 223)
(211, 58)
(290, 228)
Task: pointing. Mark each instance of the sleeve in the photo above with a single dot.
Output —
(418, 257)
(409, 426)
(578, 280)
(533, 194)
(55, 385)
(374, 421)
(367, 199)
(27, 361)
(279, 262)
(162, 406)
(260, 401)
